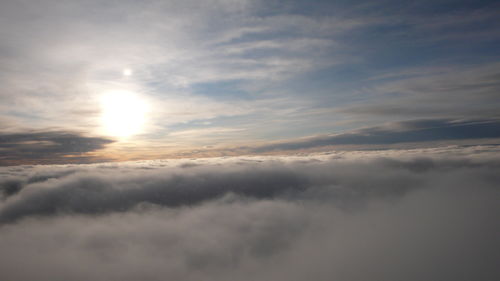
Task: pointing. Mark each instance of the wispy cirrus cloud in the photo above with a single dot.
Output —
(273, 71)
(460, 92)
(171, 46)
(414, 131)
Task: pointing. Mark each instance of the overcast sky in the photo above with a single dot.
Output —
(86, 81)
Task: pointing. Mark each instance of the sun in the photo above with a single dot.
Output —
(127, 72)
(123, 113)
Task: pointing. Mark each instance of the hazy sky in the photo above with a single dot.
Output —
(85, 81)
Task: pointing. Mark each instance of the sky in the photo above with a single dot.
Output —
(249, 140)
(97, 81)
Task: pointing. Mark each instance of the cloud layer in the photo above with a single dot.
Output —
(414, 215)
(48, 147)
(413, 131)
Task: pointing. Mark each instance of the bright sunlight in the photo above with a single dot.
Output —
(123, 113)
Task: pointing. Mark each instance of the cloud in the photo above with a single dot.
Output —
(349, 216)
(170, 46)
(184, 54)
(424, 130)
(438, 92)
(47, 147)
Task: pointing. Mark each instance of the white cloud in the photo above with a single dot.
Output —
(351, 216)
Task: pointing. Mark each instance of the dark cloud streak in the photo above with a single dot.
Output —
(426, 130)
(47, 147)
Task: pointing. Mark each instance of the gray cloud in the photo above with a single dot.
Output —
(47, 147)
(425, 130)
(439, 92)
(357, 216)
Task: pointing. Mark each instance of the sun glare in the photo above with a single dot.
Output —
(123, 113)
(127, 72)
